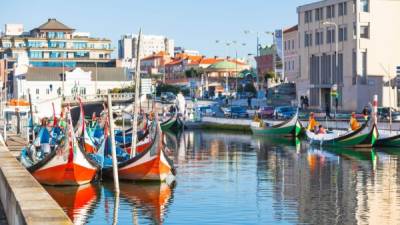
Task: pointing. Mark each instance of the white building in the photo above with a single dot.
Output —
(150, 44)
(366, 33)
(290, 53)
(46, 82)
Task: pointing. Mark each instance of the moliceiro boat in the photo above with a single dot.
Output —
(173, 124)
(388, 139)
(65, 164)
(152, 164)
(290, 128)
(363, 137)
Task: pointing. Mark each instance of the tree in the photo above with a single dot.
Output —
(249, 87)
(192, 73)
(269, 75)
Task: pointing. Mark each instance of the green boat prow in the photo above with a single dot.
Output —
(289, 128)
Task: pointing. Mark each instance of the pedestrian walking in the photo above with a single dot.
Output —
(249, 101)
(306, 102)
(328, 111)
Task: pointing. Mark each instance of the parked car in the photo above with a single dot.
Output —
(384, 113)
(266, 111)
(284, 112)
(206, 110)
(167, 97)
(235, 112)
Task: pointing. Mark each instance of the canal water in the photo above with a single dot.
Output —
(228, 178)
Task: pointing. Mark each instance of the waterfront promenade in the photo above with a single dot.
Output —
(23, 199)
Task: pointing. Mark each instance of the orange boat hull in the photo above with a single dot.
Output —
(67, 174)
(155, 169)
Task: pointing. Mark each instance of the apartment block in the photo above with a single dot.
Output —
(53, 44)
(351, 46)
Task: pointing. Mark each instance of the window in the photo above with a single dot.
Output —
(36, 44)
(307, 39)
(354, 67)
(79, 45)
(51, 34)
(364, 67)
(37, 91)
(292, 44)
(330, 36)
(364, 4)
(330, 11)
(319, 14)
(364, 31)
(285, 45)
(35, 55)
(343, 9)
(319, 37)
(342, 34)
(308, 16)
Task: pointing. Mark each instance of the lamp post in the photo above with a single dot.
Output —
(257, 55)
(335, 82)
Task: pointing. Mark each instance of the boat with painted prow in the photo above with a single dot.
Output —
(67, 164)
(290, 128)
(363, 137)
(152, 164)
(174, 124)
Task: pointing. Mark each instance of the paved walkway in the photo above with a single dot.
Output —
(15, 143)
(3, 219)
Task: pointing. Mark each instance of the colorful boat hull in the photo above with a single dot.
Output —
(173, 124)
(390, 141)
(290, 128)
(364, 137)
(66, 165)
(150, 165)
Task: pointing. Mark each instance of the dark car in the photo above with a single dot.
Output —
(236, 112)
(384, 114)
(285, 112)
(266, 111)
(167, 97)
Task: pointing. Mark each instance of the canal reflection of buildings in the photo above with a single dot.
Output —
(331, 187)
(200, 145)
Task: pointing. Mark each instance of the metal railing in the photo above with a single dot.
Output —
(100, 97)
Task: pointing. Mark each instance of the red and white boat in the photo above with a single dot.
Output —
(152, 164)
(68, 164)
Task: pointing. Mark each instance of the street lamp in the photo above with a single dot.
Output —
(335, 82)
(257, 54)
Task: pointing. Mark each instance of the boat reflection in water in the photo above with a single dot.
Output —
(76, 201)
(149, 200)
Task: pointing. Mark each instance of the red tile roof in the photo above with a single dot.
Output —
(294, 28)
(157, 55)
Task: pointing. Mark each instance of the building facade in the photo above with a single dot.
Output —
(45, 83)
(265, 61)
(54, 44)
(341, 46)
(290, 53)
(155, 64)
(149, 45)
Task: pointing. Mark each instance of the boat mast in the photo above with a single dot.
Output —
(30, 108)
(136, 103)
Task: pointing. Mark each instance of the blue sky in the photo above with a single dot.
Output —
(192, 24)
